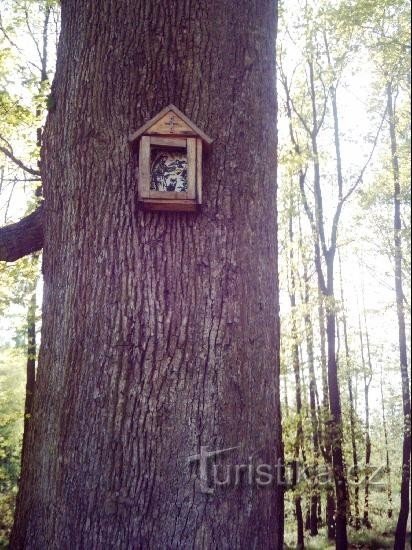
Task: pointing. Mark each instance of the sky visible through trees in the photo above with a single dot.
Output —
(353, 49)
(367, 272)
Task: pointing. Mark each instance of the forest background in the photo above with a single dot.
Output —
(344, 116)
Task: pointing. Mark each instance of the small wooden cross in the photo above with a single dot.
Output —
(171, 123)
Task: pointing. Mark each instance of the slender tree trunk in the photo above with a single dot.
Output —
(388, 463)
(352, 408)
(324, 371)
(322, 335)
(299, 523)
(367, 439)
(326, 287)
(30, 367)
(327, 449)
(316, 223)
(298, 387)
(367, 378)
(352, 416)
(160, 331)
(285, 392)
(31, 312)
(315, 496)
(334, 394)
(44, 77)
(336, 417)
(400, 534)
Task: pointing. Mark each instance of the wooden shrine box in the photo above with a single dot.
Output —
(170, 161)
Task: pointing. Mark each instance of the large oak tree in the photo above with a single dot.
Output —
(160, 330)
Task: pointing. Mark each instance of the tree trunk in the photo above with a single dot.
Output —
(160, 332)
(327, 450)
(31, 312)
(400, 534)
(298, 447)
(352, 415)
(341, 490)
(300, 526)
(367, 378)
(333, 380)
(352, 408)
(388, 463)
(30, 366)
(285, 408)
(315, 495)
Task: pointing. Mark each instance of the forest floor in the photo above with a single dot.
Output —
(363, 539)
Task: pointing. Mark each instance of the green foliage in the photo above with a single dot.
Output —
(17, 281)
(351, 50)
(13, 114)
(378, 538)
(385, 27)
(371, 539)
(24, 86)
(12, 390)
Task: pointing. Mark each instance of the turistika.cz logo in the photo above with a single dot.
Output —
(213, 473)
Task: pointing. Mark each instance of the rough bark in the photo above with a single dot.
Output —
(21, 238)
(160, 330)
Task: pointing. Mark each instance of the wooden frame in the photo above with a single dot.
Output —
(171, 129)
(150, 126)
(160, 199)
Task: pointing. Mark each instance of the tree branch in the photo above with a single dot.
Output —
(353, 188)
(360, 177)
(32, 35)
(14, 45)
(18, 162)
(22, 238)
(302, 177)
